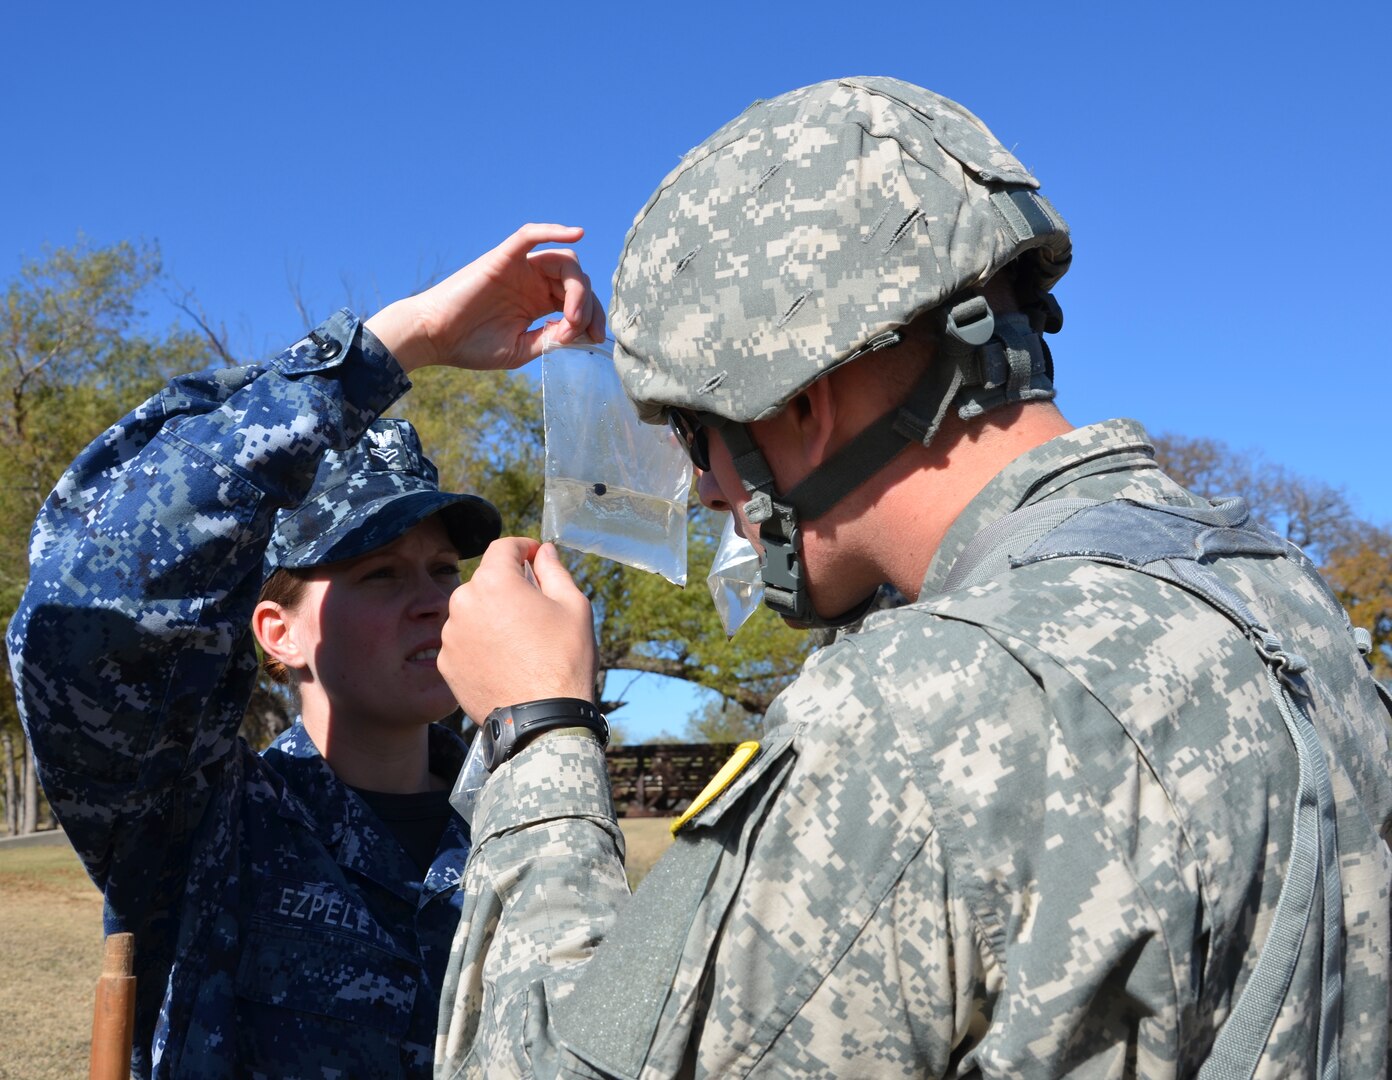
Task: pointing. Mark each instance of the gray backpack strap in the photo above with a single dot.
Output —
(1314, 860)
(1174, 543)
(989, 553)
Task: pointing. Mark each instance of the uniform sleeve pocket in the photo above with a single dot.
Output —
(642, 979)
(766, 768)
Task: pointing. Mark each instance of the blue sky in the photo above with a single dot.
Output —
(1219, 165)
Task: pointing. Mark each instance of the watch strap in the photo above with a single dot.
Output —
(511, 727)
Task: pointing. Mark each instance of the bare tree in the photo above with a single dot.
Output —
(7, 747)
(1310, 513)
(1354, 555)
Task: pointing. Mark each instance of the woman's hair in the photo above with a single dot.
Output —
(286, 588)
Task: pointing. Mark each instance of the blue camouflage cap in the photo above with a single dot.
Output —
(366, 496)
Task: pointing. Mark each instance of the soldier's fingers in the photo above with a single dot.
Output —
(554, 580)
(508, 556)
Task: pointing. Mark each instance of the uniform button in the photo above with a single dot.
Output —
(329, 349)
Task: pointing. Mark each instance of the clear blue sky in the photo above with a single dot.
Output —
(1220, 165)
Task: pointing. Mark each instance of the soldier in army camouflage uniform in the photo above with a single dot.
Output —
(1109, 796)
(292, 911)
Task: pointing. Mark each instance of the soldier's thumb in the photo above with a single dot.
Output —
(553, 578)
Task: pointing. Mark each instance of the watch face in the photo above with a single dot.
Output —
(499, 731)
(509, 728)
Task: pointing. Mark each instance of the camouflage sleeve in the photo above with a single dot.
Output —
(544, 883)
(130, 649)
(780, 910)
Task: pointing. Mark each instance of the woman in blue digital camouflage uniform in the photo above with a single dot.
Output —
(292, 911)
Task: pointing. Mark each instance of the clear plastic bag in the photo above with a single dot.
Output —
(735, 583)
(615, 487)
(472, 777)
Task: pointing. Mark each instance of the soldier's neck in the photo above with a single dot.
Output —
(923, 491)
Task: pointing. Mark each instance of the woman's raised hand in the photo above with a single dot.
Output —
(479, 317)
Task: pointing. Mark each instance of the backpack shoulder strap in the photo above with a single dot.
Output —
(1178, 545)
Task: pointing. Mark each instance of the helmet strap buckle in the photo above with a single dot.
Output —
(971, 321)
(785, 588)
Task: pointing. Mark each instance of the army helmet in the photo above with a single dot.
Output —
(806, 233)
(805, 230)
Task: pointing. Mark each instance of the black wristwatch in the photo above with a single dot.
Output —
(511, 727)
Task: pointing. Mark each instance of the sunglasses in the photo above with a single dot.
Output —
(691, 433)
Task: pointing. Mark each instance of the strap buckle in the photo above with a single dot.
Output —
(972, 321)
(784, 591)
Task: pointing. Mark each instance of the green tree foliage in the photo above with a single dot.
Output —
(1360, 570)
(485, 432)
(722, 721)
(1354, 555)
(75, 355)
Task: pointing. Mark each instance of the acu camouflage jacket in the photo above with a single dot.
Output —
(1031, 828)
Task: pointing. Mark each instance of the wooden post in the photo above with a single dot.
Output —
(113, 1015)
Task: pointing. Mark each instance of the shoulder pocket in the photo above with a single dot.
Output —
(645, 973)
(774, 756)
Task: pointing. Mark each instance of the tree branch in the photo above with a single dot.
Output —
(216, 338)
(749, 698)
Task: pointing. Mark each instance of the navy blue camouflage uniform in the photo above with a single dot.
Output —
(281, 930)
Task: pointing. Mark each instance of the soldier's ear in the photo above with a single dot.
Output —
(273, 626)
(799, 437)
(815, 414)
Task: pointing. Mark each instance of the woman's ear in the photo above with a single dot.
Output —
(272, 625)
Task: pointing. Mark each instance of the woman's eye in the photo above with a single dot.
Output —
(379, 573)
(449, 570)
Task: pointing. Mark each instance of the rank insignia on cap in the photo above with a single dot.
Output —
(386, 445)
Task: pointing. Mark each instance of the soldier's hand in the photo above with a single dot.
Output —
(515, 635)
(479, 316)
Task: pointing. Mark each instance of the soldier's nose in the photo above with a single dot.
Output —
(708, 491)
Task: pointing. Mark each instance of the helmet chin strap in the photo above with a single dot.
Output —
(983, 361)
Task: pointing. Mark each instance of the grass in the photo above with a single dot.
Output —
(51, 939)
(646, 840)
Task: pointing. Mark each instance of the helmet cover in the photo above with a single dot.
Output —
(797, 235)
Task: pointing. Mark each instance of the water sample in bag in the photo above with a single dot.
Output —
(735, 583)
(615, 486)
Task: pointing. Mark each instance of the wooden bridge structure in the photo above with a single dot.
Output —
(661, 779)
